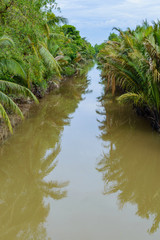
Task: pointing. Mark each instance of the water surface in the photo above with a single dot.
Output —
(81, 167)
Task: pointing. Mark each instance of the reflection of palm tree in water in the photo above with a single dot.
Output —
(22, 199)
(130, 166)
(25, 162)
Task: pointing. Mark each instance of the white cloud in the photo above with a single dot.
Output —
(92, 16)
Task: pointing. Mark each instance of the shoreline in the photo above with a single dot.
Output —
(25, 106)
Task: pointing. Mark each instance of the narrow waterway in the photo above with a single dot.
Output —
(80, 167)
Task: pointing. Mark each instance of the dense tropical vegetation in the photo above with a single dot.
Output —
(130, 61)
(37, 47)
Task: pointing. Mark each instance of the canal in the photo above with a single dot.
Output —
(80, 167)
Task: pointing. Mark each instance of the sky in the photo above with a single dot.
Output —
(95, 19)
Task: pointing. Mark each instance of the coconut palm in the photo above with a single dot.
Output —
(48, 58)
(8, 88)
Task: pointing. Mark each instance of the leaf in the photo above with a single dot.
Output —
(7, 101)
(136, 98)
(13, 67)
(49, 59)
(6, 118)
(16, 88)
(5, 40)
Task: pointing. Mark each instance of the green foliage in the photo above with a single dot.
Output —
(69, 71)
(71, 32)
(131, 60)
(99, 47)
(113, 37)
(49, 59)
(12, 88)
(53, 19)
(10, 67)
(35, 47)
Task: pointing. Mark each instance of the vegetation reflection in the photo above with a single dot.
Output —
(22, 207)
(27, 163)
(130, 165)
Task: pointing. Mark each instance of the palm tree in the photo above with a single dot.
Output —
(132, 62)
(53, 19)
(7, 88)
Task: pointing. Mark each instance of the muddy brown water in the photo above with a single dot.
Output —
(80, 167)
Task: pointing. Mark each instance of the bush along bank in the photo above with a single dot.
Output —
(130, 60)
(36, 47)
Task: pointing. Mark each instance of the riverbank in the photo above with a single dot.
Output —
(25, 105)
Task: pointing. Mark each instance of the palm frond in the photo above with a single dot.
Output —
(5, 40)
(11, 87)
(56, 36)
(136, 98)
(13, 67)
(154, 88)
(16, 88)
(58, 20)
(5, 117)
(49, 59)
(53, 49)
(7, 101)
